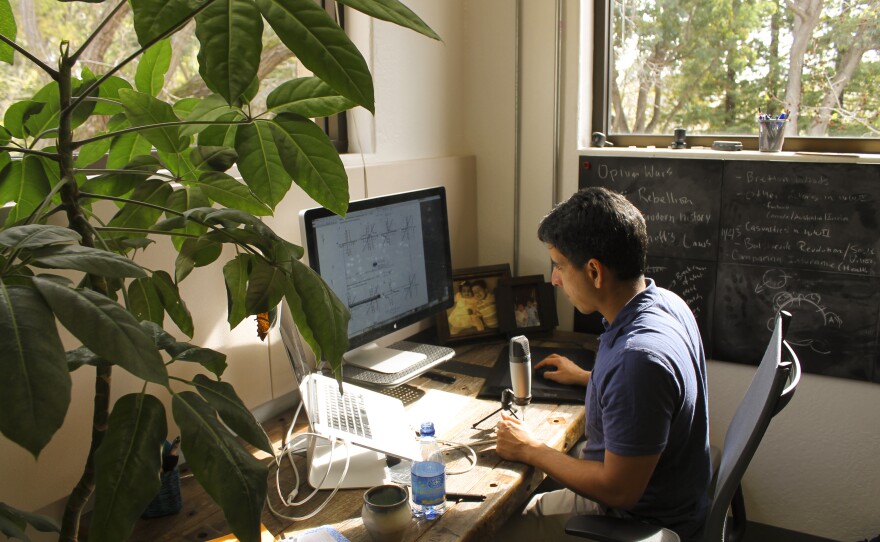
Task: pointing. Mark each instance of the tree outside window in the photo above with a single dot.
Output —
(712, 66)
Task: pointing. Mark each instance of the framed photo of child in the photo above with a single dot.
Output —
(526, 305)
(474, 313)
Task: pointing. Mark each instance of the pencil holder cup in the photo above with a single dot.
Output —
(168, 501)
(771, 134)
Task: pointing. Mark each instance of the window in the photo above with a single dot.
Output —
(41, 21)
(712, 66)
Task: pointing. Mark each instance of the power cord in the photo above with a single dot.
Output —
(289, 447)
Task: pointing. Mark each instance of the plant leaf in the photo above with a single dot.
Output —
(179, 165)
(392, 11)
(213, 158)
(78, 357)
(309, 97)
(34, 382)
(311, 159)
(127, 463)
(16, 115)
(144, 302)
(266, 284)
(133, 215)
(320, 316)
(39, 522)
(90, 260)
(211, 360)
(25, 183)
(324, 48)
(173, 303)
(110, 91)
(92, 318)
(195, 253)
(230, 475)
(260, 162)
(128, 148)
(145, 110)
(235, 273)
(230, 34)
(229, 192)
(92, 152)
(210, 109)
(152, 67)
(152, 18)
(36, 235)
(181, 200)
(222, 397)
(7, 28)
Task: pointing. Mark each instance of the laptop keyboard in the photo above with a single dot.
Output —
(344, 412)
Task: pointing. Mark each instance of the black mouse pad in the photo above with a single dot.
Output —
(543, 390)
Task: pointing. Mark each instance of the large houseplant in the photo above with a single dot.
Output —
(165, 166)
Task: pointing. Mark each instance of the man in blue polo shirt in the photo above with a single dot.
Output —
(647, 432)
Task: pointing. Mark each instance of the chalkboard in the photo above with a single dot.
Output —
(740, 240)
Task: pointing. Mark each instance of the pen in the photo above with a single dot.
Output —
(465, 497)
(439, 377)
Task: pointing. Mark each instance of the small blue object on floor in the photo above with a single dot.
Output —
(324, 533)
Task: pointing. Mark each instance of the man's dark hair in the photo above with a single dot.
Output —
(598, 223)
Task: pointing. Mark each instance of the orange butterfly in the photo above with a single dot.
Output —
(263, 325)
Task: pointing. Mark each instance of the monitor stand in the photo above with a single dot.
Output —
(366, 468)
(384, 360)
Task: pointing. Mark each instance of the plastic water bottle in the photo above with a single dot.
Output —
(428, 477)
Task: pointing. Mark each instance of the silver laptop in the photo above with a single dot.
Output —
(375, 423)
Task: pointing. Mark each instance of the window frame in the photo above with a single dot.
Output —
(602, 50)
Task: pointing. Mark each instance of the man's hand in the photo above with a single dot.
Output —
(515, 440)
(566, 371)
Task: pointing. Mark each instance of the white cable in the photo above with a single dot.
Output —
(289, 446)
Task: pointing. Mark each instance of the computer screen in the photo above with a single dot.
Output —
(388, 260)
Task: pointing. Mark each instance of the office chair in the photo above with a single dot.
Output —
(771, 390)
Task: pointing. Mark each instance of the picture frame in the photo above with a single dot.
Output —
(474, 313)
(526, 305)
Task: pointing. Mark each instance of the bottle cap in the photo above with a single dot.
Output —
(427, 429)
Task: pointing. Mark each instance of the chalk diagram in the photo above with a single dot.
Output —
(776, 280)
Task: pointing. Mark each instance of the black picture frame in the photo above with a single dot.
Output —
(477, 317)
(526, 305)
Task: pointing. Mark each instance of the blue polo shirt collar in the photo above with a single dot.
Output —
(627, 314)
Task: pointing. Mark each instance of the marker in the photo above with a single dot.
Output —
(439, 377)
(465, 497)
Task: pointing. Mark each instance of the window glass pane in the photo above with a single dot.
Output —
(42, 23)
(711, 66)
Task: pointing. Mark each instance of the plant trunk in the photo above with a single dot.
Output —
(77, 221)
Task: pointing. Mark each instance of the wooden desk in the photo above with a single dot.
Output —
(453, 408)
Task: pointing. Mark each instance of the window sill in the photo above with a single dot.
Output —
(707, 153)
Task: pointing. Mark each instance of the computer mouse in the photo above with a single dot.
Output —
(539, 372)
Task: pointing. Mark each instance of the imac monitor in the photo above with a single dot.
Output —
(388, 260)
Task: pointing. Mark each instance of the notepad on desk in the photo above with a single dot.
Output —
(325, 533)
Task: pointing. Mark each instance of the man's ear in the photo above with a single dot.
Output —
(595, 272)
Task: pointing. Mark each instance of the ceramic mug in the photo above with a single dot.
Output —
(386, 512)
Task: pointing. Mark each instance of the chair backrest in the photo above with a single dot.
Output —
(771, 389)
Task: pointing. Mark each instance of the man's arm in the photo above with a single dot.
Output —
(618, 482)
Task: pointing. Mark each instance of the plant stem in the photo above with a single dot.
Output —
(42, 65)
(50, 155)
(75, 56)
(171, 30)
(77, 221)
(77, 144)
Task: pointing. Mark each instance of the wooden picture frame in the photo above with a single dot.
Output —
(526, 305)
(474, 313)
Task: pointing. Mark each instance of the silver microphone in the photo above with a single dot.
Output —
(521, 370)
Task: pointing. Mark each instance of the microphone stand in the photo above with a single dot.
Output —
(507, 400)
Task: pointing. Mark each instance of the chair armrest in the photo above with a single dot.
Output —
(611, 529)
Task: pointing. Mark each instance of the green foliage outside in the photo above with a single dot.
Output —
(164, 164)
(713, 65)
